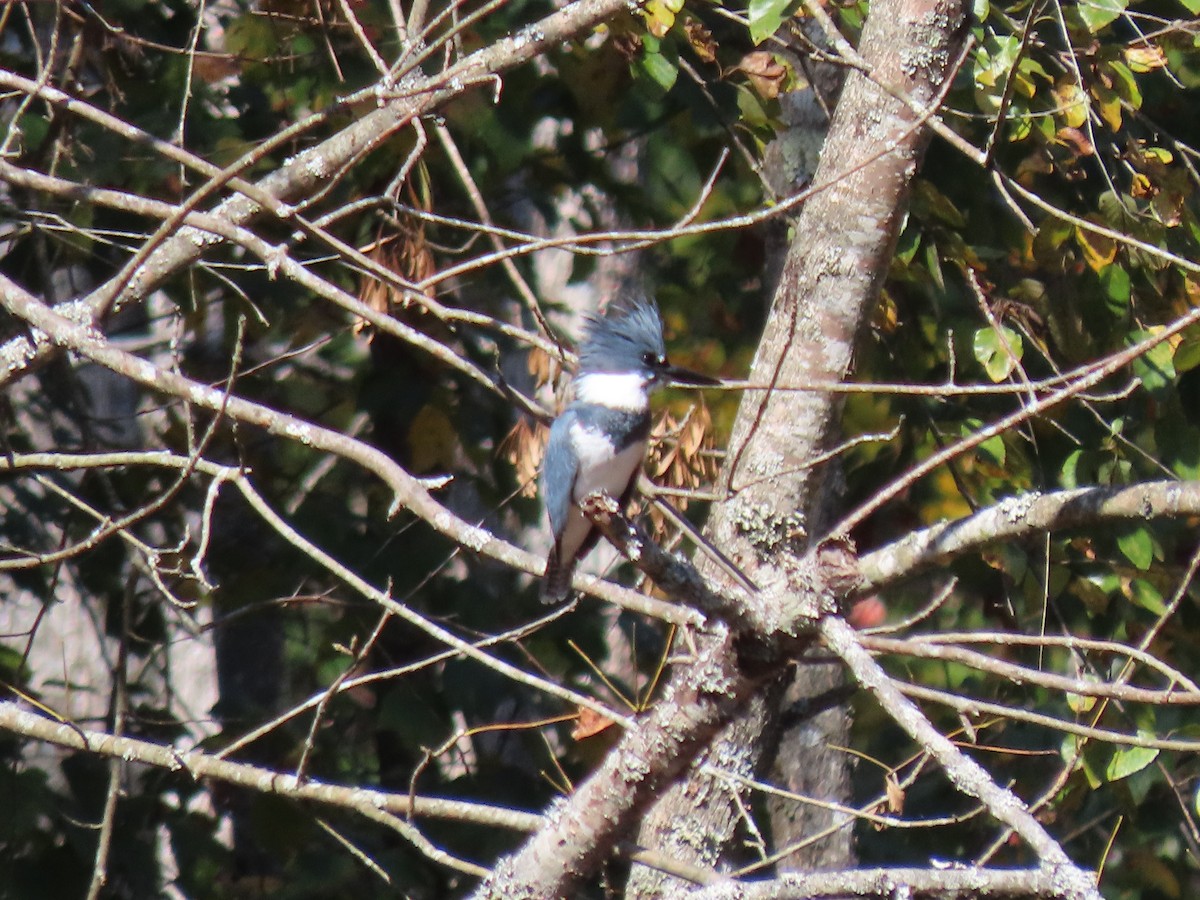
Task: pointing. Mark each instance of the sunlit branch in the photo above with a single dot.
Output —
(1025, 675)
(1069, 642)
(885, 884)
(1101, 370)
(408, 492)
(310, 168)
(1023, 517)
(387, 675)
(966, 774)
(277, 260)
(972, 706)
(200, 764)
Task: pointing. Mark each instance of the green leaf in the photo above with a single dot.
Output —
(1192, 6)
(660, 70)
(766, 16)
(1096, 14)
(908, 245)
(992, 64)
(1129, 760)
(993, 448)
(929, 202)
(1095, 590)
(1082, 703)
(1125, 84)
(1178, 445)
(1155, 368)
(934, 265)
(1115, 281)
(1069, 476)
(1137, 547)
(1142, 593)
(1187, 354)
(252, 36)
(1052, 234)
(998, 351)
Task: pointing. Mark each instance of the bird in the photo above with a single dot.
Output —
(598, 443)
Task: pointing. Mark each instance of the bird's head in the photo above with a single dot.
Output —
(629, 342)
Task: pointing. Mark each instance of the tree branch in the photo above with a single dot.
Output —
(582, 830)
(917, 884)
(966, 774)
(1023, 517)
(409, 492)
(200, 764)
(311, 168)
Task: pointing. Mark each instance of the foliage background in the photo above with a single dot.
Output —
(1088, 109)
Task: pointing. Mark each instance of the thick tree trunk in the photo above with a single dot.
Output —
(835, 265)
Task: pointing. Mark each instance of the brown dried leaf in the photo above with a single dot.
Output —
(765, 72)
(701, 40)
(627, 45)
(895, 794)
(407, 253)
(372, 292)
(538, 362)
(524, 447)
(589, 723)
(1076, 140)
(1145, 57)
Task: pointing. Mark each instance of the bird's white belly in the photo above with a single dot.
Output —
(600, 469)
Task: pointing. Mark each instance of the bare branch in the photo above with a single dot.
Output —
(582, 831)
(951, 883)
(311, 168)
(1024, 517)
(966, 774)
(409, 492)
(200, 764)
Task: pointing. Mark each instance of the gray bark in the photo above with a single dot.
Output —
(830, 280)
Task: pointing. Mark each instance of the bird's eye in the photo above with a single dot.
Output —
(651, 360)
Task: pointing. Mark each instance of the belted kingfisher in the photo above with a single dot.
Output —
(599, 440)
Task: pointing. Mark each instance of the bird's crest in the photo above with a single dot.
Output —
(621, 340)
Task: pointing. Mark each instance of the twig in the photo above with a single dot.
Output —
(966, 774)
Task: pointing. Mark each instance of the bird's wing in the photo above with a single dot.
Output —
(559, 470)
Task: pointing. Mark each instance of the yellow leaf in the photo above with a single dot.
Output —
(1098, 251)
(1141, 187)
(1156, 156)
(1109, 107)
(432, 440)
(1145, 58)
(886, 317)
(660, 15)
(1072, 103)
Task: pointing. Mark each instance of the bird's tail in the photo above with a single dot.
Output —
(556, 584)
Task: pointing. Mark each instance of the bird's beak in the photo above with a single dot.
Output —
(688, 378)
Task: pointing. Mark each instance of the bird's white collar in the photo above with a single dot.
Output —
(626, 391)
